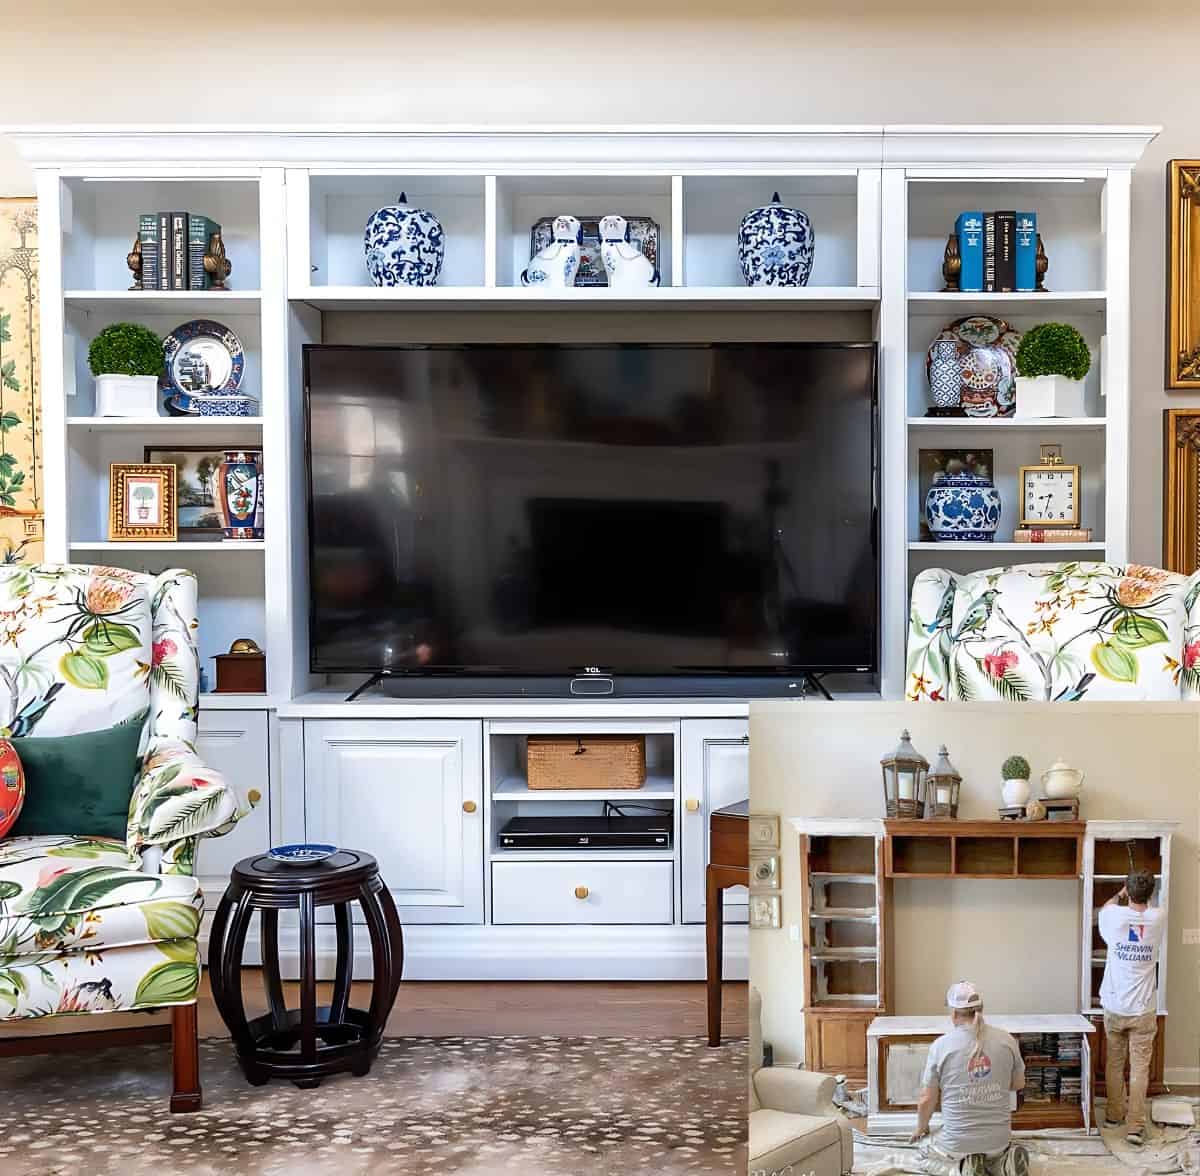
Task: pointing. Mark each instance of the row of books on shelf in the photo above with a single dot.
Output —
(998, 251)
(173, 245)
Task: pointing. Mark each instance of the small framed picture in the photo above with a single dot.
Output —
(764, 871)
(197, 514)
(141, 503)
(765, 911)
(764, 831)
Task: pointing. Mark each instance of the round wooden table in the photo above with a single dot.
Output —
(330, 1038)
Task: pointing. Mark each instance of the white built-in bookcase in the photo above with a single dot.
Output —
(293, 203)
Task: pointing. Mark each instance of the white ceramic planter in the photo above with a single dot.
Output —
(126, 396)
(1015, 792)
(1049, 396)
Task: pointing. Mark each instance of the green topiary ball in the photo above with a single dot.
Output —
(1016, 767)
(1053, 349)
(126, 349)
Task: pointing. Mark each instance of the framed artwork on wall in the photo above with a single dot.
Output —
(197, 513)
(1183, 273)
(1181, 490)
(141, 503)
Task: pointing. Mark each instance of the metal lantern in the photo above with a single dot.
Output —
(904, 772)
(943, 785)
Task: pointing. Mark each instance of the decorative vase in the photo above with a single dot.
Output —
(775, 245)
(404, 246)
(1015, 792)
(126, 396)
(944, 376)
(962, 508)
(1060, 781)
(627, 267)
(985, 348)
(240, 493)
(556, 265)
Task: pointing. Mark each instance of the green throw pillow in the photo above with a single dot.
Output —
(78, 784)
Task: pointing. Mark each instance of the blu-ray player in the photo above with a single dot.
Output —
(615, 832)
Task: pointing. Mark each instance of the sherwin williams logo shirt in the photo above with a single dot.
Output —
(979, 1068)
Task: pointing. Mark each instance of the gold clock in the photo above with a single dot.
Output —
(1050, 491)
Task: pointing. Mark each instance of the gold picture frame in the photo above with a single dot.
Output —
(1181, 490)
(1183, 274)
(141, 503)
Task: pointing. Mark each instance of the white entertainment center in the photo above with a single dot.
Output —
(424, 785)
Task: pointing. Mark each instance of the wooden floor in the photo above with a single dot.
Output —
(477, 1009)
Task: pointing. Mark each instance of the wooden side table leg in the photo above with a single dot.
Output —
(344, 972)
(308, 985)
(384, 981)
(269, 938)
(396, 937)
(185, 1060)
(227, 979)
(714, 937)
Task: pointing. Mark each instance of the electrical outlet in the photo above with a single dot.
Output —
(794, 933)
(1191, 937)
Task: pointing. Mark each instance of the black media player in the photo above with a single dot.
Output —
(587, 833)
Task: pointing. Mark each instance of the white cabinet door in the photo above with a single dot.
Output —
(235, 743)
(400, 790)
(715, 767)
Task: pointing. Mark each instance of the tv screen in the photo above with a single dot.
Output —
(677, 511)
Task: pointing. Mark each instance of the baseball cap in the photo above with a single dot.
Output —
(963, 995)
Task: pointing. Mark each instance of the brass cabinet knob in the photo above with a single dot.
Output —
(693, 805)
(468, 806)
(581, 892)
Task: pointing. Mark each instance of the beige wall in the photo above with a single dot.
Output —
(1017, 940)
(1083, 61)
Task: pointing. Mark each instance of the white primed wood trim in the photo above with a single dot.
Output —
(870, 192)
(490, 233)
(299, 230)
(893, 440)
(1116, 372)
(51, 192)
(678, 234)
(838, 827)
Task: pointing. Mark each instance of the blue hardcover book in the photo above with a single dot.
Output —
(1026, 250)
(969, 227)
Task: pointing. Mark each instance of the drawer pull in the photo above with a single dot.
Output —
(468, 806)
(693, 805)
(581, 892)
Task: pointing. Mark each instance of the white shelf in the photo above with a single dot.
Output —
(655, 788)
(845, 954)
(834, 876)
(932, 545)
(186, 303)
(582, 855)
(225, 546)
(845, 915)
(211, 701)
(591, 298)
(1051, 302)
(983, 424)
(138, 424)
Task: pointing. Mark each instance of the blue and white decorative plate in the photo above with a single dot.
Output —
(211, 404)
(302, 855)
(203, 357)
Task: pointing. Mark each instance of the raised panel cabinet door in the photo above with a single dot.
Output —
(235, 743)
(411, 794)
(715, 771)
(842, 1044)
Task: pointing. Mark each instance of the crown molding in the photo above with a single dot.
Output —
(649, 149)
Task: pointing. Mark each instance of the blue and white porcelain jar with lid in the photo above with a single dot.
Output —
(404, 246)
(962, 507)
(776, 245)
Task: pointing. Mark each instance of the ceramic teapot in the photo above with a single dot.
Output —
(1060, 781)
(627, 267)
(556, 265)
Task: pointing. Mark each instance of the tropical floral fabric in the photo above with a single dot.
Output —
(1054, 632)
(78, 919)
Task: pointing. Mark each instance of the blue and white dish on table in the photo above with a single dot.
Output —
(203, 357)
(776, 245)
(301, 855)
(210, 405)
(404, 246)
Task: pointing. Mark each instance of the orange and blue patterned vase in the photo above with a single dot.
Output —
(12, 786)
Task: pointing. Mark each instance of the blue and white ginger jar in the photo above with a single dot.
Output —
(963, 508)
(775, 245)
(404, 246)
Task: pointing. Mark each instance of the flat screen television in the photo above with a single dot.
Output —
(681, 518)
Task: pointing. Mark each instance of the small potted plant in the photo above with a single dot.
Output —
(126, 360)
(1015, 773)
(143, 496)
(1052, 360)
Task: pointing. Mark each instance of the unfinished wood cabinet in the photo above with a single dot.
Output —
(983, 849)
(1100, 1058)
(846, 918)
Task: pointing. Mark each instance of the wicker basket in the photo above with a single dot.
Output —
(588, 761)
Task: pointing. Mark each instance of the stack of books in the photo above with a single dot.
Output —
(998, 252)
(1052, 535)
(173, 248)
(1050, 1077)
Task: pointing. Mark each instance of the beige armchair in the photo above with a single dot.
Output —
(792, 1117)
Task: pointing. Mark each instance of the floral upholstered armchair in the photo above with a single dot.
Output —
(1055, 633)
(90, 924)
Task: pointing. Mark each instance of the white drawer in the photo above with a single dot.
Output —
(616, 892)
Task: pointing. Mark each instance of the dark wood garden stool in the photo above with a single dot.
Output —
(333, 1037)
